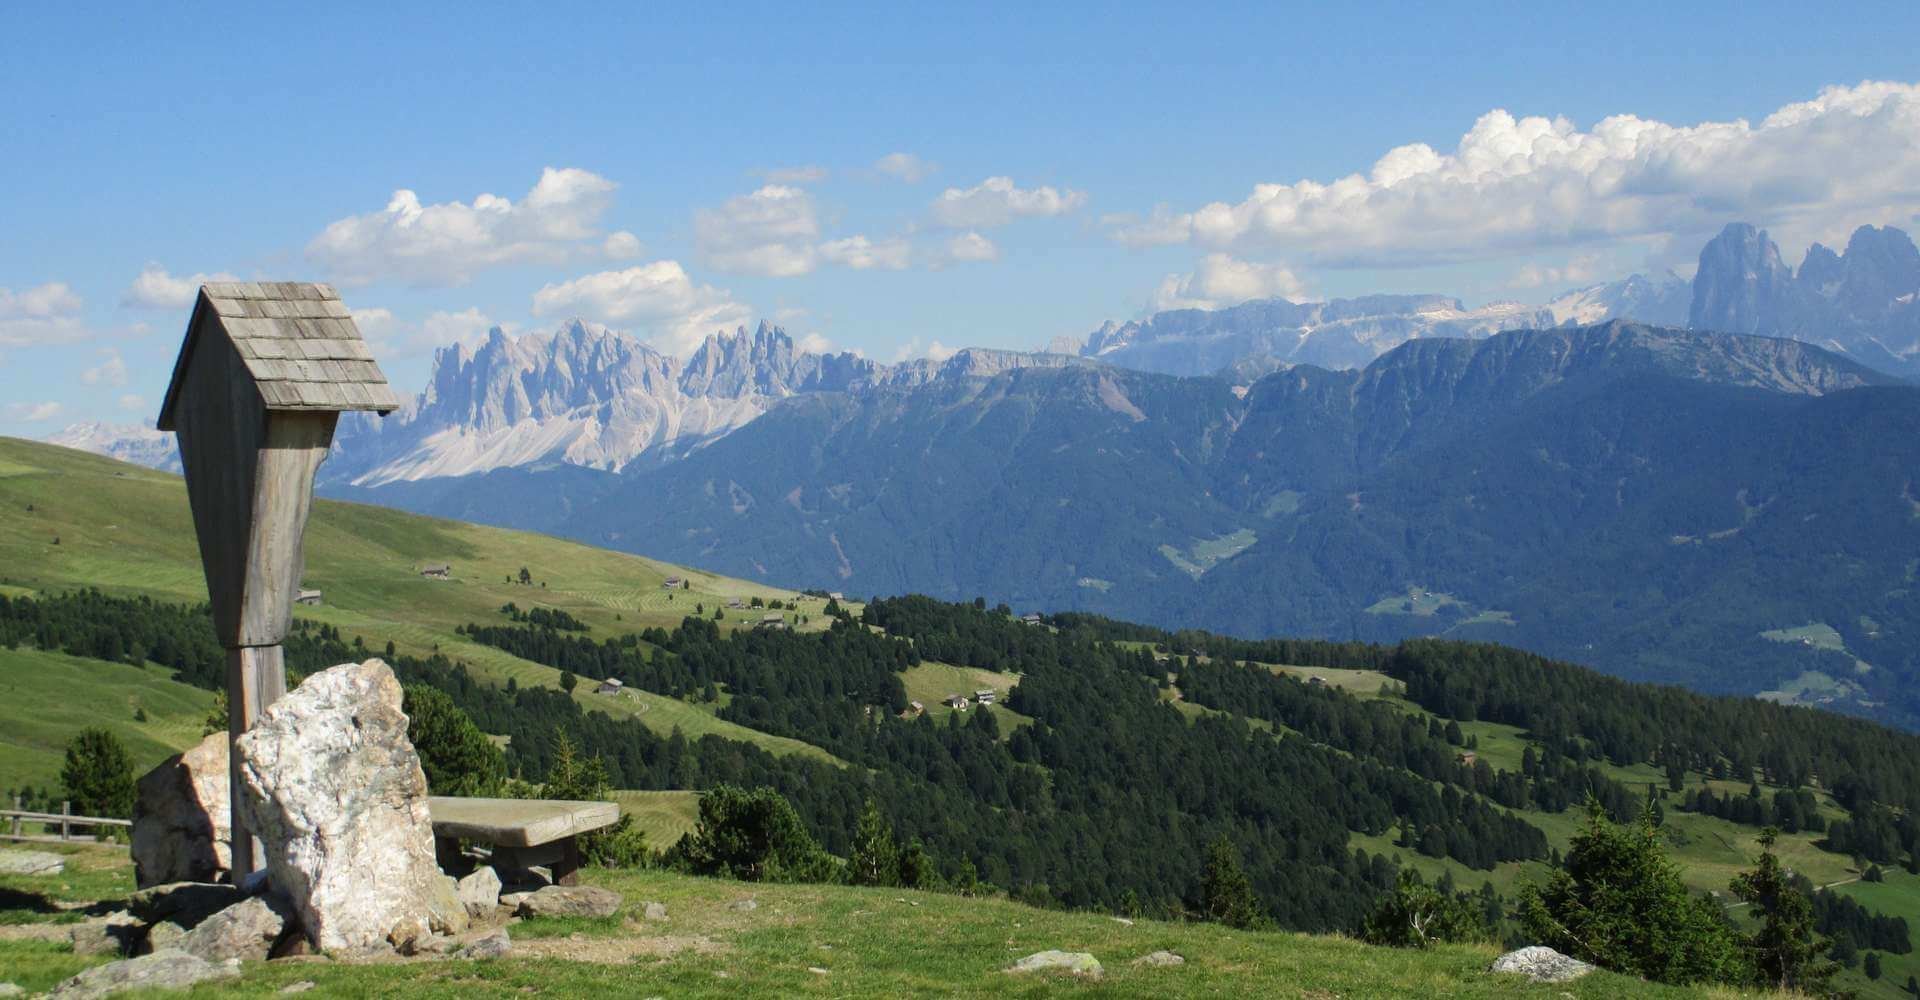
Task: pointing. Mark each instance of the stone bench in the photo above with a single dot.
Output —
(523, 832)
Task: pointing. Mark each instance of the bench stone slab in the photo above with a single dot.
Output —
(518, 822)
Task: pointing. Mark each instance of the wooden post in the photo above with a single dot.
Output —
(16, 817)
(263, 375)
(66, 809)
(256, 678)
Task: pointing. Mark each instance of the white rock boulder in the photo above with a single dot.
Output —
(1542, 965)
(181, 818)
(162, 970)
(335, 793)
(1073, 963)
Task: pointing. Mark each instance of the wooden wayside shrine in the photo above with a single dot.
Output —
(264, 373)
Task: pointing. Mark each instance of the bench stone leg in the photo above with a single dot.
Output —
(446, 851)
(566, 871)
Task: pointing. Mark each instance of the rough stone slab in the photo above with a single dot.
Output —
(162, 970)
(31, 863)
(518, 822)
(181, 819)
(446, 912)
(1074, 963)
(115, 934)
(1542, 965)
(246, 930)
(1160, 959)
(570, 901)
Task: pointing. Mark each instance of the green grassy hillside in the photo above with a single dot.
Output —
(69, 519)
(45, 698)
(834, 941)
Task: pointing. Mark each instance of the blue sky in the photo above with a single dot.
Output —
(894, 180)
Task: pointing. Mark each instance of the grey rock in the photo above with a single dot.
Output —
(654, 910)
(570, 901)
(1541, 965)
(493, 945)
(183, 903)
(746, 906)
(163, 936)
(300, 987)
(446, 912)
(512, 900)
(31, 863)
(1160, 959)
(1075, 963)
(479, 893)
(11, 990)
(336, 796)
(115, 934)
(162, 970)
(182, 823)
(247, 930)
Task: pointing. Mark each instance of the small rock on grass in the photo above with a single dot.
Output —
(494, 945)
(1076, 963)
(654, 910)
(300, 987)
(743, 906)
(570, 901)
(11, 990)
(31, 863)
(1160, 958)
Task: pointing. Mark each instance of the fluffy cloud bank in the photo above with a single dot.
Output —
(659, 297)
(1218, 281)
(154, 288)
(905, 167)
(996, 201)
(775, 232)
(43, 314)
(1522, 184)
(446, 244)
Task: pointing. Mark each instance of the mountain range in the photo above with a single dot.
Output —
(1727, 511)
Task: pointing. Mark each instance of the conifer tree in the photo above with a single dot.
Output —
(1226, 894)
(1785, 950)
(97, 775)
(876, 857)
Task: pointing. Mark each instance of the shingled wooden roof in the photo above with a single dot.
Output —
(298, 342)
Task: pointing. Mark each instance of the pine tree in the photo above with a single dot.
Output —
(568, 681)
(1871, 965)
(1618, 902)
(1785, 950)
(1416, 915)
(917, 870)
(1226, 894)
(98, 776)
(876, 857)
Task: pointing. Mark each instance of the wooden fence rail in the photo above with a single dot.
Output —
(13, 820)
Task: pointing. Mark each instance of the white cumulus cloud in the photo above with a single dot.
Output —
(996, 201)
(1218, 281)
(33, 413)
(971, 246)
(905, 166)
(154, 288)
(768, 232)
(447, 243)
(659, 297)
(861, 253)
(43, 314)
(112, 370)
(622, 245)
(1513, 185)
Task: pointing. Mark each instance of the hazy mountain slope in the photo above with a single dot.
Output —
(1647, 500)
